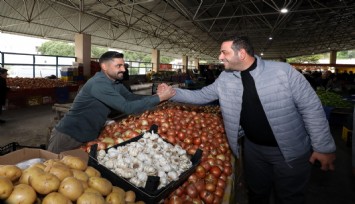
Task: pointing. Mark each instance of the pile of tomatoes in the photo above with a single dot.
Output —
(191, 127)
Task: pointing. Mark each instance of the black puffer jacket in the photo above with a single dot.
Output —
(3, 91)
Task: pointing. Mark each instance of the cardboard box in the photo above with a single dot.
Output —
(34, 100)
(25, 154)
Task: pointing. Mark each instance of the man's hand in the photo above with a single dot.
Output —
(165, 92)
(162, 87)
(326, 160)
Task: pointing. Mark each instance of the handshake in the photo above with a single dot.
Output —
(165, 92)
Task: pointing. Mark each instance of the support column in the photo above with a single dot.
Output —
(185, 63)
(155, 59)
(196, 62)
(333, 57)
(83, 52)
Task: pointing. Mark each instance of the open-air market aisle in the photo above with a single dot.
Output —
(28, 126)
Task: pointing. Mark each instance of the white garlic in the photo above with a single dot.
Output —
(173, 175)
(149, 156)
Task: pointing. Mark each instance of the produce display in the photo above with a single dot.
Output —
(332, 99)
(34, 83)
(149, 156)
(68, 180)
(190, 127)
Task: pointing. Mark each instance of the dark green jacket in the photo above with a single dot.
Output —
(95, 101)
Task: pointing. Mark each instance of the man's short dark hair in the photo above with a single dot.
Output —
(110, 55)
(242, 42)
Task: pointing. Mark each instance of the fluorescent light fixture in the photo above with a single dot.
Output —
(284, 10)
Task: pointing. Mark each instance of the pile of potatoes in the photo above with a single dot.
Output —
(55, 181)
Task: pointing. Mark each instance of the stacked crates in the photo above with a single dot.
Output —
(72, 74)
(67, 74)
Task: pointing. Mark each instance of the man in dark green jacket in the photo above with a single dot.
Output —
(101, 94)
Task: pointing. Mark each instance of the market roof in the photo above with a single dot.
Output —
(189, 27)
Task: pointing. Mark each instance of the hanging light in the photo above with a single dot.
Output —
(262, 54)
(270, 38)
(284, 10)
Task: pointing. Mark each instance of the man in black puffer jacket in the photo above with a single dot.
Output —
(3, 89)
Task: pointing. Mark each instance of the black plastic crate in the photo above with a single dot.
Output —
(149, 194)
(13, 146)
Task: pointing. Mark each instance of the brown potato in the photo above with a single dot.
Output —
(81, 175)
(44, 183)
(71, 188)
(39, 165)
(60, 171)
(119, 190)
(51, 162)
(130, 196)
(91, 172)
(84, 184)
(115, 198)
(74, 162)
(27, 173)
(102, 185)
(91, 190)
(6, 187)
(12, 172)
(23, 194)
(56, 198)
(90, 198)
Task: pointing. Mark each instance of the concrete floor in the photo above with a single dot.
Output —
(29, 126)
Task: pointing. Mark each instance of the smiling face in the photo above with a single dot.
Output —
(235, 59)
(232, 60)
(113, 68)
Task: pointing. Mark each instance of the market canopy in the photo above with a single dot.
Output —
(189, 27)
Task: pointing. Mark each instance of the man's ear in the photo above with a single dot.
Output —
(104, 66)
(242, 54)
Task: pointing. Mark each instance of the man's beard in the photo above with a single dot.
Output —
(120, 77)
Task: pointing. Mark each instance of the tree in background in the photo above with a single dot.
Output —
(56, 48)
(166, 60)
(142, 57)
(97, 51)
(66, 49)
(347, 54)
(305, 59)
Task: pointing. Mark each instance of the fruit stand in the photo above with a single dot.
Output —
(191, 128)
(36, 91)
